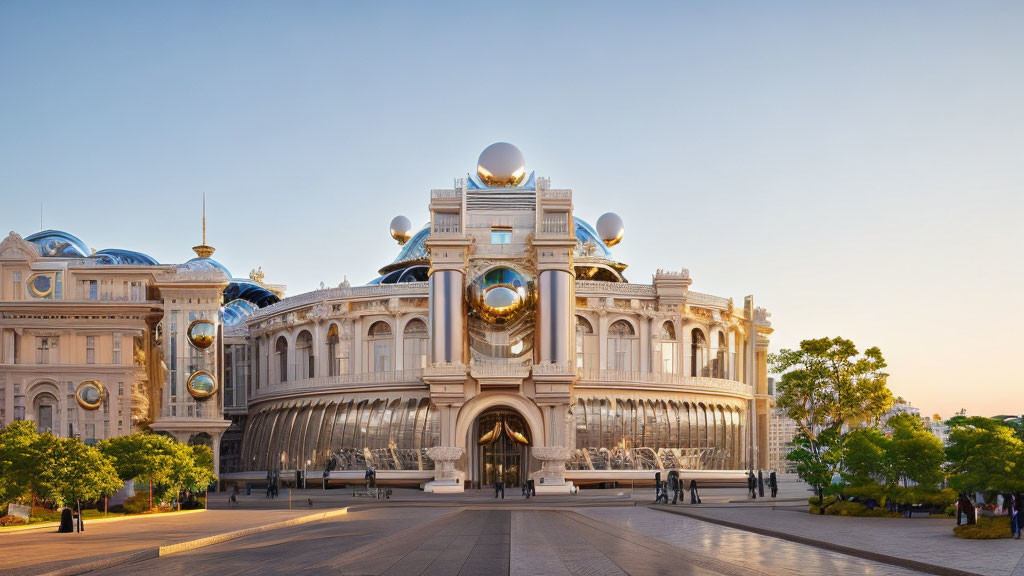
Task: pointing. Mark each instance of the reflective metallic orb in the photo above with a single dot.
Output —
(401, 229)
(501, 165)
(610, 228)
(201, 385)
(89, 394)
(500, 295)
(201, 333)
(41, 285)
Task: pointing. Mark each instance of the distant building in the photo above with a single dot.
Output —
(781, 432)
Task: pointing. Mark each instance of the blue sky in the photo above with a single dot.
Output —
(856, 166)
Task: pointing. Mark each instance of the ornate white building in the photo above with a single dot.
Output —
(502, 343)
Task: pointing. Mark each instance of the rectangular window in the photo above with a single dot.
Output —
(93, 289)
(90, 349)
(16, 278)
(173, 344)
(46, 349)
(501, 235)
(190, 411)
(117, 348)
(90, 431)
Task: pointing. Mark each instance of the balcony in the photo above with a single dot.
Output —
(342, 382)
(594, 378)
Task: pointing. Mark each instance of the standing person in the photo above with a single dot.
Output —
(1015, 518)
(673, 486)
(751, 484)
(760, 483)
(773, 483)
(270, 484)
(694, 496)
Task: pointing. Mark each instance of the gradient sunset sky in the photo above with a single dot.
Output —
(858, 167)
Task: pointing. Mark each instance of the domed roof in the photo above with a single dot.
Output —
(58, 244)
(205, 265)
(501, 165)
(113, 256)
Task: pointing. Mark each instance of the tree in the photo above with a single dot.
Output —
(915, 454)
(867, 456)
(22, 451)
(827, 385)
(75, 471)
(984, 455)
(144, 457)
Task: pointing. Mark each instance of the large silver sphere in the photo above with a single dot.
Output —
(610, 228)
(401, 229)
(501, 165)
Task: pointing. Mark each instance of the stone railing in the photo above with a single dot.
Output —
(484, 370)
(324, 383)
(698, 299)
(667, 381)
(554, 368)
(599, 288)
(446, 194)
(555, 194)
(329, 294)
(445, 369)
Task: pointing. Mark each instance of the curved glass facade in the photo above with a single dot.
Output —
(388, 434)
(115, 256)
(240, 289)
(56, 243)
(618, 434)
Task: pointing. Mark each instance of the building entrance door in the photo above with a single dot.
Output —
(504, 442)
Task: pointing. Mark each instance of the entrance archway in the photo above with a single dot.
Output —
(502, 441)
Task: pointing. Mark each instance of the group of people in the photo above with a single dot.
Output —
(755, 484)
(674, 485)
(273, 481)
(529, 489)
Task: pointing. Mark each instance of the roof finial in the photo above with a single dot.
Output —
(204, 251)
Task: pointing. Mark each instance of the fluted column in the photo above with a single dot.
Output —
(554, 315)
(447, 328)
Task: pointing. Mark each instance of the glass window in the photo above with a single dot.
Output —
(415, 345)
(117, 348)
(501, 236)
(623, 347)
(90, 349)
(378, 347)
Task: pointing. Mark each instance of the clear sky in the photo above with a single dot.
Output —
(858, 167)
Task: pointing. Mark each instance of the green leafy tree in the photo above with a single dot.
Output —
(915, 454)
(193, 468)
(867, 457)
(149, 458)
(827, 385)
(22, 458)
(984, 455)
(76, 471)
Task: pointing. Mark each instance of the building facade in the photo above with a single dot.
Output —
(503, 343)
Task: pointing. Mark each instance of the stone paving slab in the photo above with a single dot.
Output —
(925, 540)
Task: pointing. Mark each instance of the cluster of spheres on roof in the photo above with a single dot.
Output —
(500, 165)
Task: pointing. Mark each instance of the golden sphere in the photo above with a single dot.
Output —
(201, 333)
(401, 229)
(610, 228)
(500, 295)
(501, 165)
(201, 385)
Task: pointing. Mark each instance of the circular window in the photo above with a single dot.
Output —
(201, 385)
(89, 394)
(41, 285)
(201, 333)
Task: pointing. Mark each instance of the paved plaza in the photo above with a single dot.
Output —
(596, 532)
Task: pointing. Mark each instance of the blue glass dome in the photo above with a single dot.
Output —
(113, 256)
(58, 244)
(205, 264)
(235, 312)
(586, 233)
(244, 289)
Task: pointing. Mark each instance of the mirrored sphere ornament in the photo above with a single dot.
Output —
(500, 295)
(401, 229)
(610, 228)
(201, 333)
(201, 385)
(501, 165)
(89, 394)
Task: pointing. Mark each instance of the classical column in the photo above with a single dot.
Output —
(447, 329)
(554, 316)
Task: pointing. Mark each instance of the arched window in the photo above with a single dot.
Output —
(304, 357)
(623, 347)
(415, 345)
(586, 344)
(281, 356)
(666, 350)
(332, 351)
(378, 347)
(698, 353)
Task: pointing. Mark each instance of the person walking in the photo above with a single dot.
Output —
(694, 496)
(751, 484)
(673, 486)
(760, 483)
(773, 483)
(270, 484)
(661, 492)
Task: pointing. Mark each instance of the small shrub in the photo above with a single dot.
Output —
(40, 514)
(10, 521)
(138, 504)
(987, 528)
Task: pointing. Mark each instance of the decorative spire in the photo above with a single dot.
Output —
(204, 251)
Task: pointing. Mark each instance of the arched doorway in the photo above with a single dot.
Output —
(502, 440)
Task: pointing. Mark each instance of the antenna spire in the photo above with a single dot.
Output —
(203, 250)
